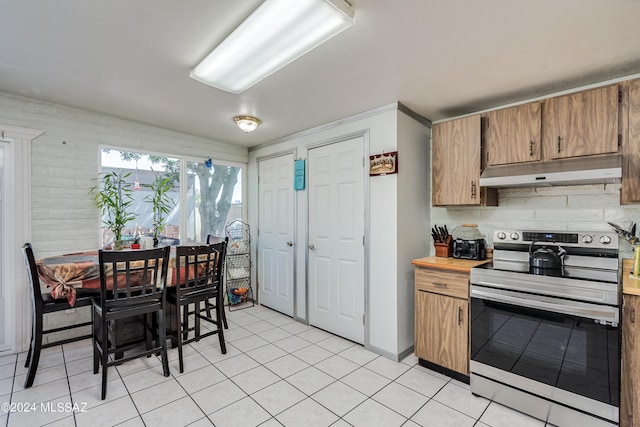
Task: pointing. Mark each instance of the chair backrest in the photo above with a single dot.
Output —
(133, 277)
(197, 267)
(32, 273)
(222, 247)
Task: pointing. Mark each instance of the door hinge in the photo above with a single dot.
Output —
(619, 140)
(619, 96)
(632, 316)
(363, 319)
(363, 161)
(362, 240)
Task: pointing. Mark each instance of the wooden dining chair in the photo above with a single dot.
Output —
(219, 243)
(132, 284)
(42, 303)
(198, 280)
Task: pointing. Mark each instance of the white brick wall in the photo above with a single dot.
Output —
(583, 207)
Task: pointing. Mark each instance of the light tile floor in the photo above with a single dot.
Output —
(277, 372)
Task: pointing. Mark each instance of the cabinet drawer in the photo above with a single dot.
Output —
(442, 282)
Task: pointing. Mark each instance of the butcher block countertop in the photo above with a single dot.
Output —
(451, 264)
(630, 285)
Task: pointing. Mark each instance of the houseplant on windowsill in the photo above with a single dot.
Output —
(113, 198)
(161, 202)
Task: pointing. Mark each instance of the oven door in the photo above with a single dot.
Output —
(560, 350)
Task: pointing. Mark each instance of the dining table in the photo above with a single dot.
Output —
(65, 274)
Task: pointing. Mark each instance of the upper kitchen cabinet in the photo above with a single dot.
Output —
(512, 135)
(630, 192)
(581, 124)
(456, 163)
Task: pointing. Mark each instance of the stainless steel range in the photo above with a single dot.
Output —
(545, 338)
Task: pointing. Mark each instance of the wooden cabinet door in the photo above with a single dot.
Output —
(581, 124)
(456, 162)
(442, 331)
(630, 373)
(630, 192)
(420, 339)
(513, 135)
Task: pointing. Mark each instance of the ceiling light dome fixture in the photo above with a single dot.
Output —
(277, 33)
(247, 123)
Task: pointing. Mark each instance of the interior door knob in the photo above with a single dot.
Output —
(312, 246)
(289, 243)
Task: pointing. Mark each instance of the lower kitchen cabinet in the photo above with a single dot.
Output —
(442, 330)
(630, 372)
(442, 314)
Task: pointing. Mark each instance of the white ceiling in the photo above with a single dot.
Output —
(132, 59)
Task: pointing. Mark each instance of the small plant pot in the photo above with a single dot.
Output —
(118, 245)
(135, 246)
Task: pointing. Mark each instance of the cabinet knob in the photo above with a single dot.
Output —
(312, 246)
(439, 285)
(289, 243)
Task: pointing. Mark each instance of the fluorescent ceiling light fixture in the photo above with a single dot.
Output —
(277, 33)
(247, 123)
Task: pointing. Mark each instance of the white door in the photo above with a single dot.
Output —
(275, 238)
(336, 238)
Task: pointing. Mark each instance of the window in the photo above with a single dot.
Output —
(211, 193)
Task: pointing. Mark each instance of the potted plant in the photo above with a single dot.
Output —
(162, 203)
(113, 197)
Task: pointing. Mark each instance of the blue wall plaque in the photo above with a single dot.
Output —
(298, 175)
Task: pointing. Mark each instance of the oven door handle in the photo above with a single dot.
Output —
(607, 314)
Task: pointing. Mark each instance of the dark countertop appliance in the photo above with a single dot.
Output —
(545, 336)
(468, 243)
(469, 249)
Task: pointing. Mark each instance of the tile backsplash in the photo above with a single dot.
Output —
(570, 208)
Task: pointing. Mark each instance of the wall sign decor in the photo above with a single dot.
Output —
(383, 164)
(298, 174)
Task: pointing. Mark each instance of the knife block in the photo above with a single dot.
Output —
(444, 250)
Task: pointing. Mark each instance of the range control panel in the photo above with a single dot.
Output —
(584, 239)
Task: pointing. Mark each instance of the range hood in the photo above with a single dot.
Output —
(580, 170)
